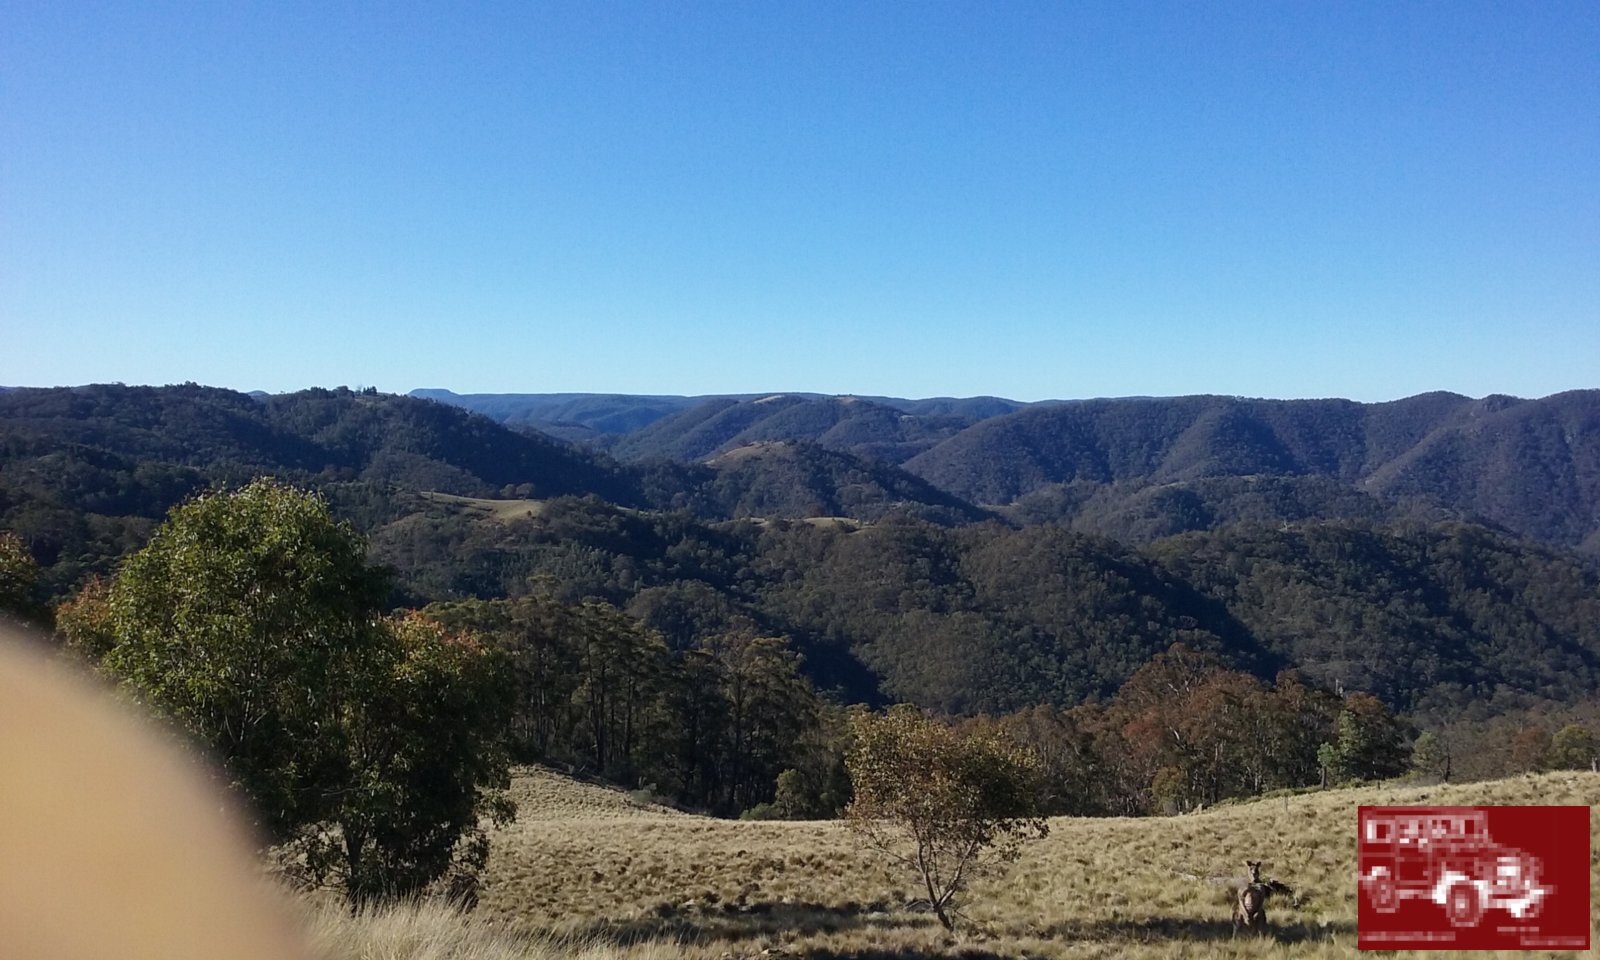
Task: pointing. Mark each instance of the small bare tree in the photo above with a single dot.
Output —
(947, 805)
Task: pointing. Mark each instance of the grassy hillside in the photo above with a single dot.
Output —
(501, 510)
(579, 870)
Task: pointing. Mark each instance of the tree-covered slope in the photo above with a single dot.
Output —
(1140, 468)
(988, 618)
(372, 436)
(797, 479)
(910, 600)
(1532, 466)
(602, 413)
(1134, 511)
(85, 472)
(850, 424)
(607, 415)
(1427, 616)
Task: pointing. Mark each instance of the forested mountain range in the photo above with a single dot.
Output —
(1532, 466)
(603, 415)
(1143, 468)
(1342, 554)
(85, 472)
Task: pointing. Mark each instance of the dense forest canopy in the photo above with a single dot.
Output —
(1140, 468)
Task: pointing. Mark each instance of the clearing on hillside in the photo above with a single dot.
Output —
(502, 510)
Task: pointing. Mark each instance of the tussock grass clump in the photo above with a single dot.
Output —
(435, 931)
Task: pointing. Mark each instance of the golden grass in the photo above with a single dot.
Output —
(737, 454)
(499, 510)
(432, 931)
(589, 867)
(543, 794)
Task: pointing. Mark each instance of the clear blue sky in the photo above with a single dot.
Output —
(1059, 199)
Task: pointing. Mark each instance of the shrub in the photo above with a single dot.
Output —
(944, 804)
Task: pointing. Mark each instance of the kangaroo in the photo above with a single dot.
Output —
(1250, 908)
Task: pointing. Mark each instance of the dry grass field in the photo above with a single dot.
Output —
(587, 871)
(500, 510)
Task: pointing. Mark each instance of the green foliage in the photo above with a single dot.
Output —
(1183, 730)
(713, 726)
(806, 794)
(769, 707)
(85, 623)
(251, 619)
(861, 427)
(1573, 747)
(18, 574)
(797, 479)
(425, 756)
(792, 798)
(945, 804)
(1370, 743)
(1169, 789)
(90, 471)
(1073, 776)
(1430, 758)
(1448, 621)
(1425, 619)
(980, 618)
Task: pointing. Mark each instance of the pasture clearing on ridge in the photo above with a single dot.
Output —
(501, 510)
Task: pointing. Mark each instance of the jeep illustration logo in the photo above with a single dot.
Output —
(1474, 877)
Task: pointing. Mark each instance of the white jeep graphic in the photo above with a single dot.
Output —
(1447, 856)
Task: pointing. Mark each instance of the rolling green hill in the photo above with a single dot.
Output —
(987, 618)
(86, 472)
(606, 415)
(1530, 466)
(919, 597)
(1142, 468)
(848, 424)
(798, 479)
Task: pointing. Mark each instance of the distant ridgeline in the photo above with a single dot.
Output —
(968, 555)
(1142, 468)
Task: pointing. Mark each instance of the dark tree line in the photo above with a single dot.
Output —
(711, 725)
(1186, 731)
